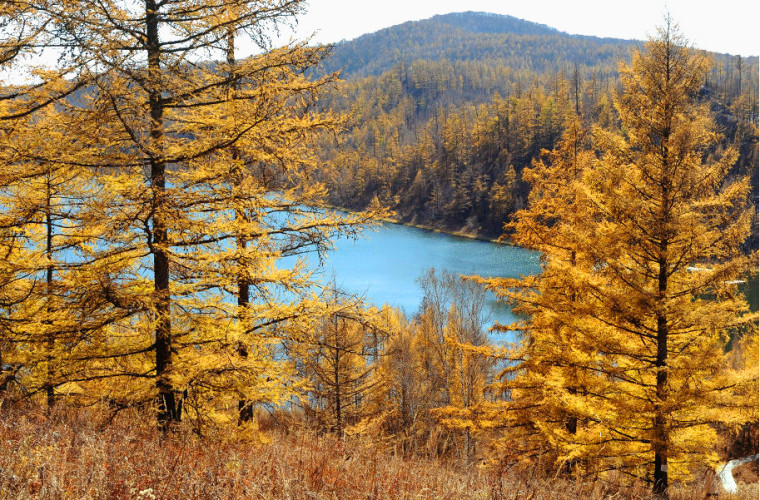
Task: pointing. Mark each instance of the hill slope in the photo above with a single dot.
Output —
(472, 36)
(447, 112)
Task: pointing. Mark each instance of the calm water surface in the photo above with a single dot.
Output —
(384, 265)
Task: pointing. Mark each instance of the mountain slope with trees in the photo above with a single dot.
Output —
(153, 280)
(472, 36)
(446, 113)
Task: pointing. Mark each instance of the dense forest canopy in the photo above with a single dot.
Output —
(446, 113)
(472, 36)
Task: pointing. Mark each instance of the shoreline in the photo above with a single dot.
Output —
(460, 234)
(434, 229)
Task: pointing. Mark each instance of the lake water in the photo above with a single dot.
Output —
(383, 266)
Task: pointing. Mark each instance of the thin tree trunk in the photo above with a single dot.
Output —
(577, 88)
(739, 68)
(336, 381)
(245, 407)
(660, 487)
(4, 379)
(571, 424)
(167, 407)
(50, 384)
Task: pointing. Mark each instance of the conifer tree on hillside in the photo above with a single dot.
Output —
(341, 367)
(52, 294)
(625, 362)
(203, 177)
(556, 223)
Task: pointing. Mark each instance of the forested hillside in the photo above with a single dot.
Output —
(446, 113)
(163, 333)
(473, 36)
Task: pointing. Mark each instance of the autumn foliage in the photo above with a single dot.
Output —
(637, 345)
(162, 334)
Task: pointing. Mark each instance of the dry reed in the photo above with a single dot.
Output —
(73, 454)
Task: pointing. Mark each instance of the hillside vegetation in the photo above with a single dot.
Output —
(72, 455)
(446, 113)
(496, 40)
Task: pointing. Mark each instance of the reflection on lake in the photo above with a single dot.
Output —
(383, 266)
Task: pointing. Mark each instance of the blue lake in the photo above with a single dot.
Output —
(384, 264)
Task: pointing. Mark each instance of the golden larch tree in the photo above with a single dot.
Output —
(636, 311)
(555, 224)
(204, 188)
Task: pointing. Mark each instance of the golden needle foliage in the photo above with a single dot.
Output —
(625, 362)
(157, 195)
(136, 209)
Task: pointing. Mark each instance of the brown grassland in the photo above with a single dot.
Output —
(77, 454)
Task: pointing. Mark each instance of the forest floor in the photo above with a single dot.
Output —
(75, 454)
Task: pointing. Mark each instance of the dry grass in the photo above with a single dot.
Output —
(71, 455)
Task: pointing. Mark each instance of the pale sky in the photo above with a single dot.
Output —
(724, 26)
(730, 26)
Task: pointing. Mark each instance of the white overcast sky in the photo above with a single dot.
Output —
(730, 26)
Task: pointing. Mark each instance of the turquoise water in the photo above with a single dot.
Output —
(384, 264)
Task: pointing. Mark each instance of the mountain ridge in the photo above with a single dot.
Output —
(446, 113)
(470, 36)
